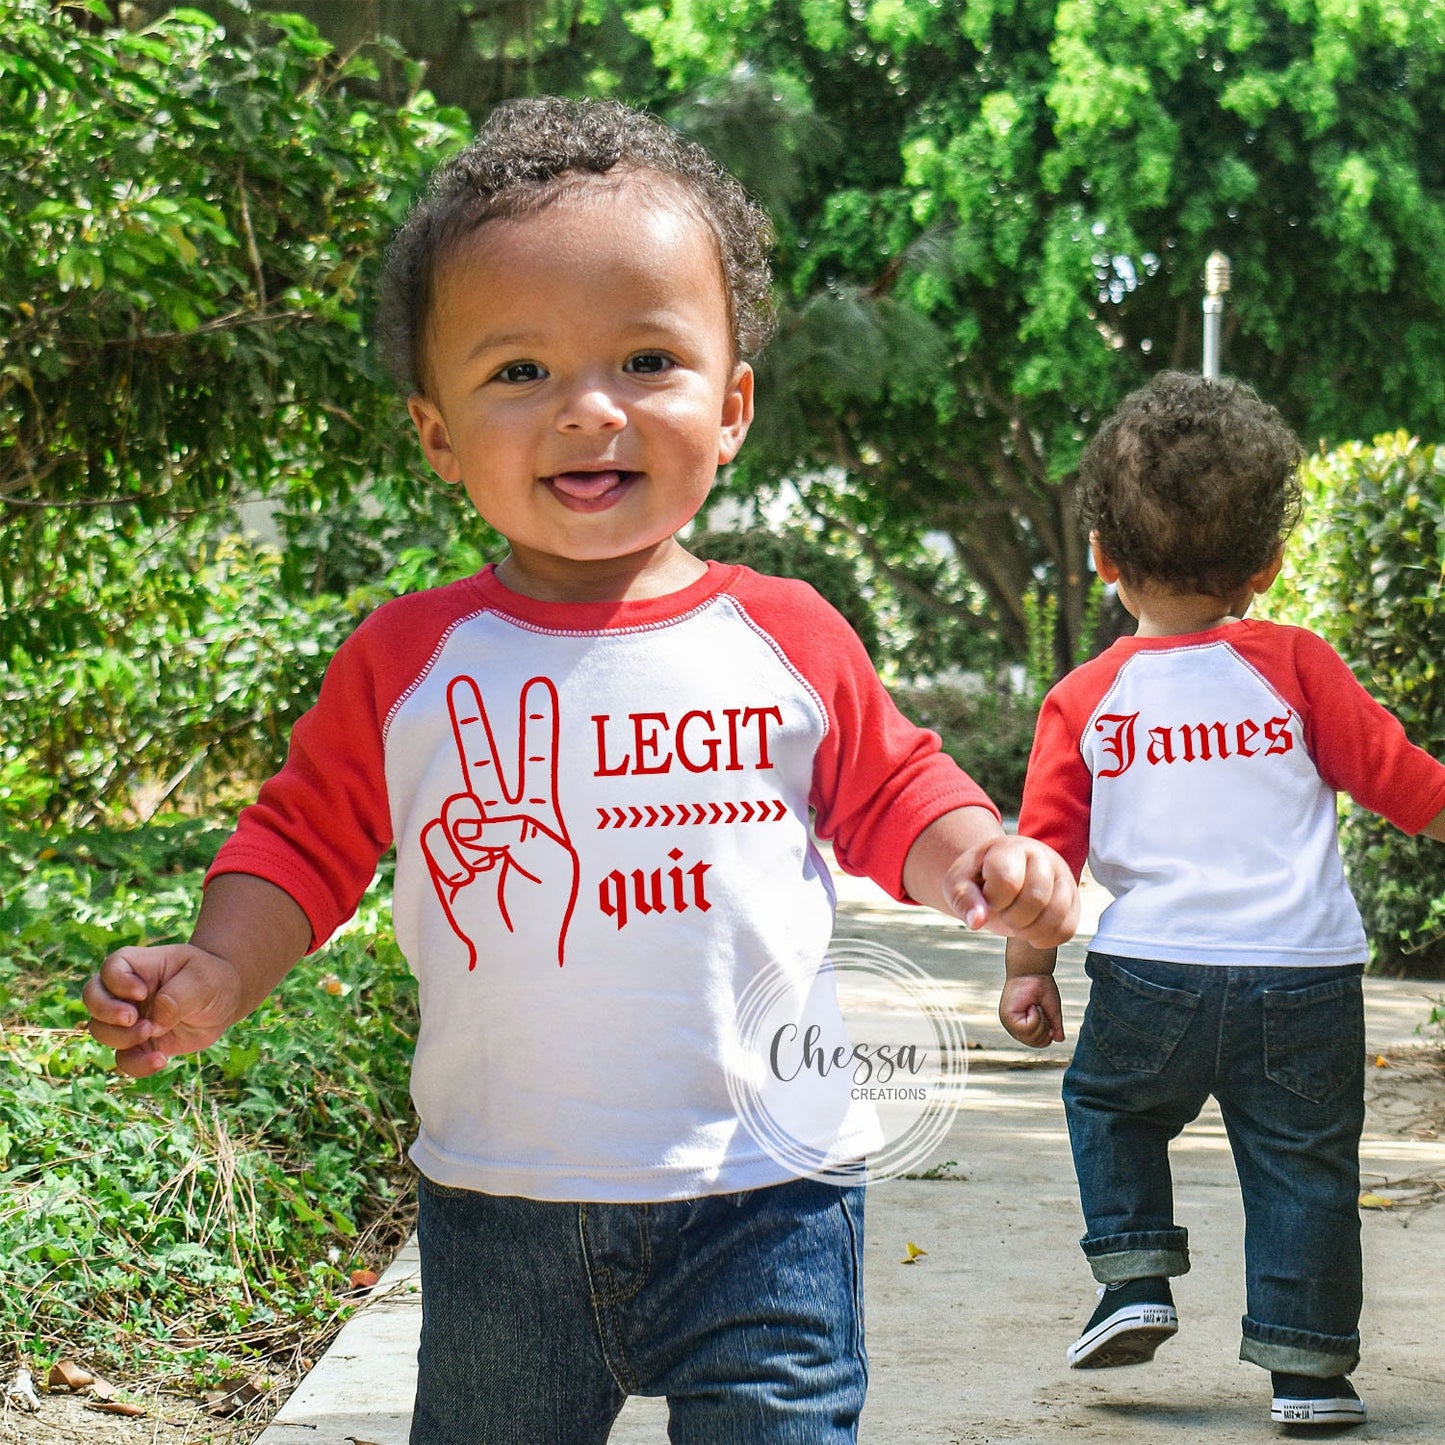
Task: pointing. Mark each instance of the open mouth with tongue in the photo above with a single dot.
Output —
(591, 491)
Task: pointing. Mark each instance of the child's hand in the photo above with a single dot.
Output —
(151, 1003)
(1031, 1010)
(1017, 887)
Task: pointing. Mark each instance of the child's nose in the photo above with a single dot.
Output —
(590, 406)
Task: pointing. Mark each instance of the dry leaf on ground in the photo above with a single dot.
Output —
(67, 1375)
(116, 1407)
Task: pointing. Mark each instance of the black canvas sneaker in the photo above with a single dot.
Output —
(1306, 1400)
(1133, 1319)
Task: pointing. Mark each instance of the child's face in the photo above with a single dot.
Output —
(584, 388)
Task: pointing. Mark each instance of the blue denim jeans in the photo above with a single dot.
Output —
(1283, 1051)
(539, 1319)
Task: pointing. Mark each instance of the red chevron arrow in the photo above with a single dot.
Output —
(666, 816)
(699, 813)
(651, 817)
(747, 812)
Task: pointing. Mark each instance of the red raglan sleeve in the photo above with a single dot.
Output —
(320, 825)
(1359, 746)
(1058, 788)
(878, 779)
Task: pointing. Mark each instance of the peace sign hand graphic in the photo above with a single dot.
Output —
(510, 848)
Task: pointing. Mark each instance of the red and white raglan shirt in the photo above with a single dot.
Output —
(601, 822)
(1197, 775)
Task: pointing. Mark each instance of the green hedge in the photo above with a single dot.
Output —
(987, 733)
(1367, 571)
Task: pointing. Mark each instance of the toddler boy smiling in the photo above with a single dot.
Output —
(570, 307)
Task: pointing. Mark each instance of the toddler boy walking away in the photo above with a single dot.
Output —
(1195, 767)
(597, 761)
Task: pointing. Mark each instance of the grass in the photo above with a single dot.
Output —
(176, 1231)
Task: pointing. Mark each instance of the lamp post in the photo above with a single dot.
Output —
(1216, 283)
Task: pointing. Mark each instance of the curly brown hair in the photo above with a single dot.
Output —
(530, 153)
(1193, 483)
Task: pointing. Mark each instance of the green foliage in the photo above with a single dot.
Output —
(1010, 228)
(988, 733)
(188, 229)
(991, 222)
(1399, 883)
(1434, 1027)
(1367, 571)
(1042, 639)
(1041, 625)
(217, 654)
(888, 596)
(206, 1219)
(474, 55)
(215, 663)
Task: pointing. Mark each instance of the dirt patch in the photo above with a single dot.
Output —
(1406, 1092)
(66, 1419)
(1405, 1096)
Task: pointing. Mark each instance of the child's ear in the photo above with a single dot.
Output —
(435, 439)
(737, 413)
(1263, 580)
(1103, 564)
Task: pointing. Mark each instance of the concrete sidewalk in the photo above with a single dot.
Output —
(967, 1344)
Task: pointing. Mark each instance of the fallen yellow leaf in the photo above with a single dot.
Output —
(914, 1253)
(1381, 1062)
(1376, 1201)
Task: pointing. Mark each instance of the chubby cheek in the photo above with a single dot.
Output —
(505, 509)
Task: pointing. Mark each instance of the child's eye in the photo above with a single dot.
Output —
(650, 363)
(520, 371)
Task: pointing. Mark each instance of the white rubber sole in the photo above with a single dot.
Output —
(1128, 1337)
(1341, 1411)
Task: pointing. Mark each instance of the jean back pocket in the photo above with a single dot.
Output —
(1314, 1037)
(1136, 1024)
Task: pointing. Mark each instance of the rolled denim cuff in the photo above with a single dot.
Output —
(1298, 1352)
(1140, 1255)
